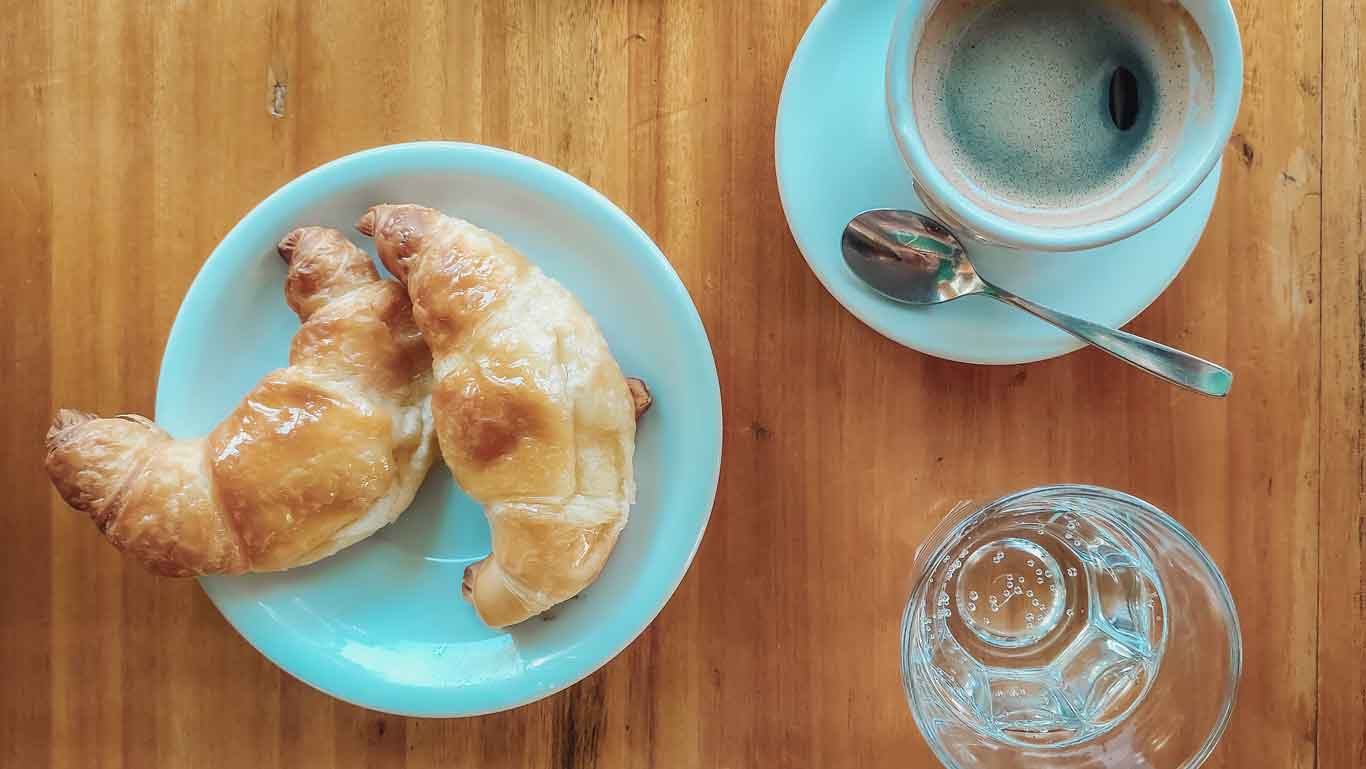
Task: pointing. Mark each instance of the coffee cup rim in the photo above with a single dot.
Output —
(1227, 56)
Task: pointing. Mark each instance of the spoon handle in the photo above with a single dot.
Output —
(1177, 367)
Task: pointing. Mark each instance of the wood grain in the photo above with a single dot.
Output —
(136, 136)
(1342, 457)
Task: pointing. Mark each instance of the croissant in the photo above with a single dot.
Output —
(318, 456)
(533, 415)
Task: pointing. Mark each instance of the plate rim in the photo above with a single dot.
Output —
(533, 174)
(894, 332)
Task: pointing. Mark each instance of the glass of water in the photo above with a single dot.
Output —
(1069, 626)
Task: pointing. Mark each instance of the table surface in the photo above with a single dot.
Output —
(136, 135)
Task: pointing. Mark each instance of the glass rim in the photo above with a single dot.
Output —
(939, 538)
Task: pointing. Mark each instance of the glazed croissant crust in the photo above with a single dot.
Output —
(318, 456)
(533, 414)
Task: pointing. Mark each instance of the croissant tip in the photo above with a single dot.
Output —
(65, 420)
(467, 582)
(289, 244)
(365, 225)
(640, 396)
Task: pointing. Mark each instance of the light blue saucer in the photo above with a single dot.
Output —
(836, 157)
(383, 624)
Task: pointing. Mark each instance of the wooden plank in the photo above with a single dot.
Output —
(1250, 494)
(26, 91)
(1342, 458)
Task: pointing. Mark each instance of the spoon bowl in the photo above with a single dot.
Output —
(911, 259)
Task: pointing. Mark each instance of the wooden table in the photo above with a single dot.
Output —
(135, 136)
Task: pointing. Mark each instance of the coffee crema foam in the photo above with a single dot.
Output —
(1012, 101)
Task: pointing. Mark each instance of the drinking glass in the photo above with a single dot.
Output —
(1069, 626)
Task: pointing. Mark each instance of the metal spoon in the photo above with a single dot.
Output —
(912, 258)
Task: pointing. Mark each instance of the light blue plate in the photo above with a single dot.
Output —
(382, 624)
(836, 157)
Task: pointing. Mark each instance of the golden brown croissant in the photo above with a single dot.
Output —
(532, 412)
(318, 456)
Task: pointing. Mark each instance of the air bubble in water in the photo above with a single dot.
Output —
(1071, 571)
(972, 595)
(1018, 591)
(1030, 562)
